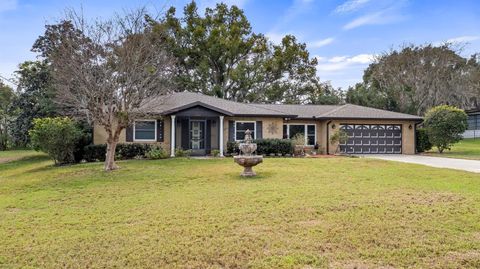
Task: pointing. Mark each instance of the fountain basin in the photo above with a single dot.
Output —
(248, 162)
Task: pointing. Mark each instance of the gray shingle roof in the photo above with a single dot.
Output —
(361, 112)
(178, 101)
(181, 100)
(302, 111)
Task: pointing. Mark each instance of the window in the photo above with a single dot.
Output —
(308, 130)
(473, 122)
(144, 130)
(311, 135)
(241, 127)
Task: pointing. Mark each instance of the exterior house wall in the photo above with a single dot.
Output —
(273, 128)
(408, 135)
(100, 135)
(319, 131)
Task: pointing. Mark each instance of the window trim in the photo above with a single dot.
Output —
(244, 121)
(305, 134)
(144, 140)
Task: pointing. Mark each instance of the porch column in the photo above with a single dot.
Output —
(221, 136)
(172, 136)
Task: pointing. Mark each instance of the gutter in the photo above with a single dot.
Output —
(328, 138)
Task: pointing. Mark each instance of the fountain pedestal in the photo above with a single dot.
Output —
(246, 158)
(248, 162)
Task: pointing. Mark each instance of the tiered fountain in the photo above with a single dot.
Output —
(246, 157)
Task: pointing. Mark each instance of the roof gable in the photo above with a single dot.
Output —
(196, 106)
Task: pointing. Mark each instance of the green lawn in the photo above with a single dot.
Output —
(465, 149)
(11, 155)
(188, 213)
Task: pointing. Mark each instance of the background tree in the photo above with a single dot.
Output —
(111, 72)
(218, 54)
(416, 78)
(7, 96)
(444, 125)
(35, 98)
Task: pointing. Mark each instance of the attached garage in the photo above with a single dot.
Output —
(372, 139)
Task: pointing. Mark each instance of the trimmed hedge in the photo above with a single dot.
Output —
(423, 143)
(266, 146)
(94, 153)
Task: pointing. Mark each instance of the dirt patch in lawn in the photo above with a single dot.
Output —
(9, 159)
(358, 265)
(456, 259)
(428, 198)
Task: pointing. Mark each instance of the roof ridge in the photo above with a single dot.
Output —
(255, 105)
(332, 111)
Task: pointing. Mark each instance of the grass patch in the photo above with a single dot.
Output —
(465, 149)
(12, 155)
(189, 213)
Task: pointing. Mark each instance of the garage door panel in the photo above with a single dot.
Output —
(372, 139)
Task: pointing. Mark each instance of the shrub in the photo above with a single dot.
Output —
(84, 140)
(93, 153)
(56, 137)
(156, 153)
(269, 146)
(182, 153)
(232, 147)
(131, 151)
(215, 152)
(423, 143)
(444, 126)
(298, 140)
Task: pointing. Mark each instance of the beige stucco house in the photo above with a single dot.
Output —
(203, 123)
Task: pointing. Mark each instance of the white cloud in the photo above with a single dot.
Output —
(350, 6)
(463, 39)
(377, 18)
(339, 63)
(6, 5)
(276, 37)
(343, 71)
(321, 43)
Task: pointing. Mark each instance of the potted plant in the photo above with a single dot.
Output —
(299, 144)
(338, 138)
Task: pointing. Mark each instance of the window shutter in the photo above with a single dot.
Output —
(231, 130)
(185, 130)
(129, 133)
(159, 130)
(208, 137)
(259, 130)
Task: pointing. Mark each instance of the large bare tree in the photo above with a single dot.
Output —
(110, 71)
(416, 78)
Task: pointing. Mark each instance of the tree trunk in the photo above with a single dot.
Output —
(110, 155)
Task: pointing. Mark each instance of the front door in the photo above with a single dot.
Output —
(197, 137)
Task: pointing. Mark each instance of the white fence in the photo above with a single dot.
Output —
(471, 134)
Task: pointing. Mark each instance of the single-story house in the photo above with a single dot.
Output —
(473, 129)
(202, 123)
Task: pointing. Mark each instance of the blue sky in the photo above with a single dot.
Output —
(342, 34)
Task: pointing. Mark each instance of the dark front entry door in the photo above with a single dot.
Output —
(197, 137)
(372, 139)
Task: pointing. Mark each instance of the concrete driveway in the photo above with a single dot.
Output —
(459, 164)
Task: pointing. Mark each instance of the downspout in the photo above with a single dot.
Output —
(415, 135)
(328, 132)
